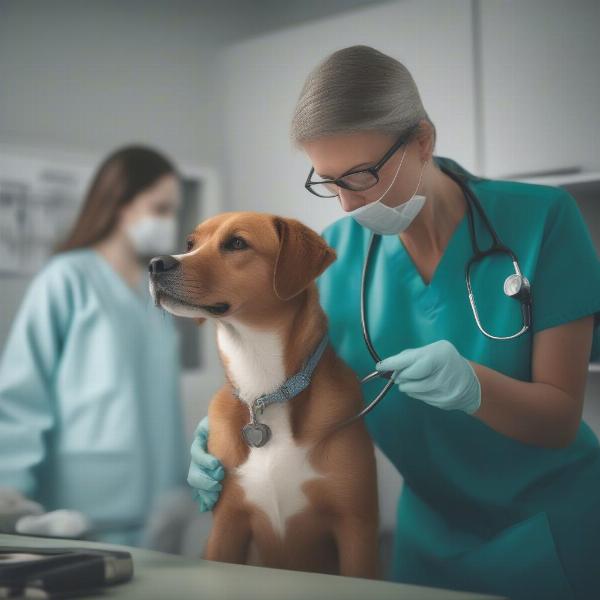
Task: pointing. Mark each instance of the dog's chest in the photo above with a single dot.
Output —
(273, 475)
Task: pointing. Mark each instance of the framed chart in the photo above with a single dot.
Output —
(39, 200)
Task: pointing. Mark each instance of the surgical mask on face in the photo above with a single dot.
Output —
(151, 235)
(390, 220)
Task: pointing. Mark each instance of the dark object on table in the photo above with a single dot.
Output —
(60, 572)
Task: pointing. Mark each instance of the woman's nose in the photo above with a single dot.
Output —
(349, 201)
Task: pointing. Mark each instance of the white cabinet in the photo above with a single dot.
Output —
(540, 85)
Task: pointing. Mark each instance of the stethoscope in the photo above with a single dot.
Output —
(515, 286)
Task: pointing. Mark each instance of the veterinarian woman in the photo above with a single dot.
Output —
(89, 400)
(501, 476)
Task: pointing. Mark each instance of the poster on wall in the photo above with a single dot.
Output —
(39, 200)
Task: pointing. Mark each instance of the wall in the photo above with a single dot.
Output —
(94, 75)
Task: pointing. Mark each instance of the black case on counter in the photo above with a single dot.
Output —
(53, 573)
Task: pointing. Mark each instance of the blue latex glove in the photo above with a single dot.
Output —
(205, 470)
(437, 374)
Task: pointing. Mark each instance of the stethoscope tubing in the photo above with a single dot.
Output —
(478, 254)
(369, 344)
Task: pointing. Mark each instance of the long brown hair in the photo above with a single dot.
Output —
(119, 179)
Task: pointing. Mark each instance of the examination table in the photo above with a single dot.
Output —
(165, 576)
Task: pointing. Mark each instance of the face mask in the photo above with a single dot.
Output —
(390, 220)
(151, 236)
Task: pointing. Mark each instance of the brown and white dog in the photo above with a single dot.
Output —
(306, 500)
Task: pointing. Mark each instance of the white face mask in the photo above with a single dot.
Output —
(151, 236)
(390, 220)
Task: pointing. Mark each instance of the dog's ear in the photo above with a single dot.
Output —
(303, 255)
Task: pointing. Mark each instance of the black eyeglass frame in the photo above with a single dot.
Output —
(374, 170)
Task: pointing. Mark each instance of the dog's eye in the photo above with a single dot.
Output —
(235, 243)
(189, 244)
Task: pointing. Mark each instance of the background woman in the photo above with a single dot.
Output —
(90, 416)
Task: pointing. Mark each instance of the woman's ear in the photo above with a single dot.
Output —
(426, 140)
(303, 255)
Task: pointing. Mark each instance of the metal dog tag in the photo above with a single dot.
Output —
(256, 434)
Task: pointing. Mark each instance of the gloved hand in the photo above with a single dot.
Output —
(205, 470)
(437, 374)
(57, 523)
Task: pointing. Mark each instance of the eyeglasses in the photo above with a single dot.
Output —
(355, 181)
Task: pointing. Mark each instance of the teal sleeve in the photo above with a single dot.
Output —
(566, 286)
(27, 369)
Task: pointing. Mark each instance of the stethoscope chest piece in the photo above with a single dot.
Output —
(516, 286)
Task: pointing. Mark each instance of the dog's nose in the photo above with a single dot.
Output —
(160, 264)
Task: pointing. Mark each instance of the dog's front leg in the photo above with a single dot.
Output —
(230, 536)
(358, 549)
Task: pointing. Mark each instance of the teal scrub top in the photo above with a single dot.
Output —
(478, 511)
(90, 415)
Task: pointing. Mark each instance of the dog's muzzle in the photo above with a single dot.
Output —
(165, 277)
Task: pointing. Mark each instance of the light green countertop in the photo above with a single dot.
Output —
(169, 577)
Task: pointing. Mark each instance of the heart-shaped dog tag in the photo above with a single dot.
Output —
(256, 434)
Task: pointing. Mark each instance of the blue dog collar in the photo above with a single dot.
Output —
(258, 434)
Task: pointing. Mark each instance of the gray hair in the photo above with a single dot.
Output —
(358, 89)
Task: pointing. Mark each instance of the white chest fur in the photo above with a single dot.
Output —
(273, 475)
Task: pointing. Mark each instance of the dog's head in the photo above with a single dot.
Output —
(241, 263)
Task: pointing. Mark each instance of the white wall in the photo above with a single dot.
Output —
(92, 75)
(263, 78)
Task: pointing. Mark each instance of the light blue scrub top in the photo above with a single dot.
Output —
(90, 415)
(479, 511)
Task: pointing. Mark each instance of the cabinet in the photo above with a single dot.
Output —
(539, 83)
